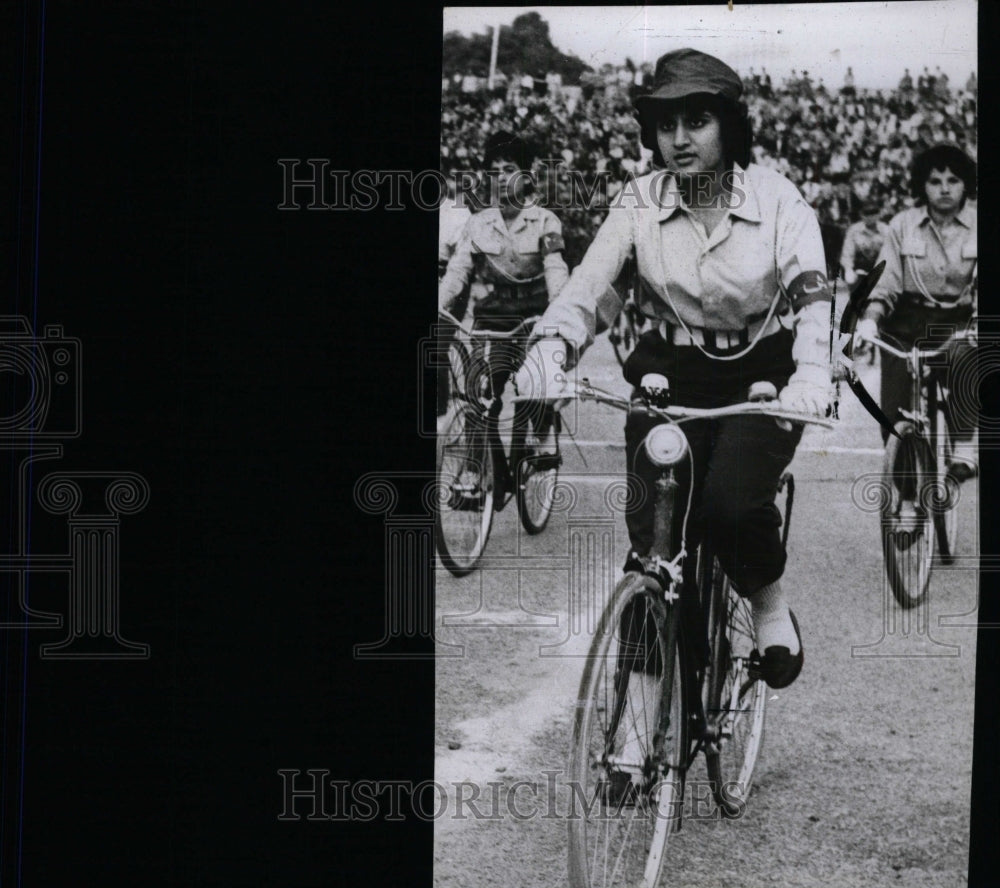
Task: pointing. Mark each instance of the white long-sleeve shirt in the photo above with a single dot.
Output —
(768, 242)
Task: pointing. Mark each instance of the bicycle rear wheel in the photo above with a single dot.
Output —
(907, 531)
(536, 428)
(464, 512)
(945, 510)
(629, 749)
(734, 702)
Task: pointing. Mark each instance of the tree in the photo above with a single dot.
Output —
(465, 55)
(525, 47)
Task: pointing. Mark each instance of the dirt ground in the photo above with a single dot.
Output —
(865, 774)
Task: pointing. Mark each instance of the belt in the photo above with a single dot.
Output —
(512, 292)
(719, 340)
(938, 301)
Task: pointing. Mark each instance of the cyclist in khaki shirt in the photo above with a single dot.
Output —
(508, 260)
(512, 248)
(732, 272)
(930, 280)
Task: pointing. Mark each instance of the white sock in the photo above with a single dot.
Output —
(965, 452)
(772, 620)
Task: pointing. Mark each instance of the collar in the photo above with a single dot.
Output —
(966, 217)
(748, 208)
(529, 213)
(743, 198)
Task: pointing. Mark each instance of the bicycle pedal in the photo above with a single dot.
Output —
(546, 462)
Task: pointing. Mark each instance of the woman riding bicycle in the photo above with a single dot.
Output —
(930, 279)
(732, 274)
(509, 257)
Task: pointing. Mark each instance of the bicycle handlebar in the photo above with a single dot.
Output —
(587, 392)
(448, 317)
(921, 352)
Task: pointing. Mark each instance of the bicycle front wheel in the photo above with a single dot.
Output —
(464, 511)
(629, 749)
(945, 510)
(907, 532)
(734, 704)
(537, 468)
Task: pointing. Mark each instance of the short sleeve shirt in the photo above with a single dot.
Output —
(935, 264)
(491, 253)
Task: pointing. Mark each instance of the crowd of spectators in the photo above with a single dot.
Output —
(841, 145)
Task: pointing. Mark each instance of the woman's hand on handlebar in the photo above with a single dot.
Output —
(541, 376)
(808, 390)
(864, 333)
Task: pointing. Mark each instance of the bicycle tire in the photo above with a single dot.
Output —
(945, 511)
(537, 462)
(908, 538)
(734, 703)
(465, 488)
(458, 373)
(621, 840)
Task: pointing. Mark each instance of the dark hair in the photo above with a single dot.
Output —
(941, 157)
(734, 122)
(503, 145)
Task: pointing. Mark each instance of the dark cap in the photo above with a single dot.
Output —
(684, 72)
(870, 206)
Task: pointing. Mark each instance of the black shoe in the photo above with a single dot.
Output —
(778, 668)
(959, 472)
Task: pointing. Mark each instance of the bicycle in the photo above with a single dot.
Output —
(918, 508)
(671, 672)
(626, 330)
(475, 476)
(630, 323)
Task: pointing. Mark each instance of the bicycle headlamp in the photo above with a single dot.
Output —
(666, 445)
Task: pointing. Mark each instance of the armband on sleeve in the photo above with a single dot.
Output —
(807, 288)
(551, 243)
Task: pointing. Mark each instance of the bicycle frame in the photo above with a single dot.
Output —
(919, 524)
(486, 402)
(926, 384)
(679, 577)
